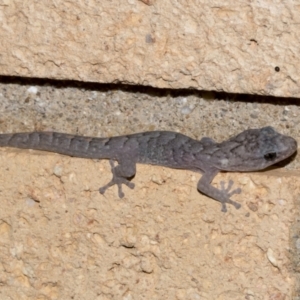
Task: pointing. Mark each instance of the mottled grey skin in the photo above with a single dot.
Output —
(251, 150)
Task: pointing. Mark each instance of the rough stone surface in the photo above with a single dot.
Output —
(235, 46)
(61, 239)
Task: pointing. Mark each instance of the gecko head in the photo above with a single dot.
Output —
(255, 149)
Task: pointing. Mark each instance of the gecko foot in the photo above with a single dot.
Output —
(116, 180)
(229, 194)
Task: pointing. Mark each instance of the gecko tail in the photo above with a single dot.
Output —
(4, 139)
(67, 144)
(26, 140)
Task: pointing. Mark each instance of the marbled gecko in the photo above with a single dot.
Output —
(251, 150)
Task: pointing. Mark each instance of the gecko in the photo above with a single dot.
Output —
(251, 150)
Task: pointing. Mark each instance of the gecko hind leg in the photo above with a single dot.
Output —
(229, 194)
(117, 179)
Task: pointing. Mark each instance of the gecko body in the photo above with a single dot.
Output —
(251, 150)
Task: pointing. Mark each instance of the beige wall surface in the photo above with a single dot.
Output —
(235, 46)
(61, 239)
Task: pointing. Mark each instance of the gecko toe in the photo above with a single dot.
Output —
(229, 201)
(118, 182)
(105, 187)
(224, 208)
(229, 186)
(228, 194)
(120, 192)
(236, 191)
(117, 179)
(237, 205)
(126, 182)
(130, 184)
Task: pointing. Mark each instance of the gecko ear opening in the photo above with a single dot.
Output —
(270, 156)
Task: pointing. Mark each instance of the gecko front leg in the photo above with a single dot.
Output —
(121, 173)
(223, 195)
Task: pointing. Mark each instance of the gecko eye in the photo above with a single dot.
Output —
(270, 156)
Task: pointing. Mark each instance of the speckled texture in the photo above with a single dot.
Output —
(234, 46)
(59, 238)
